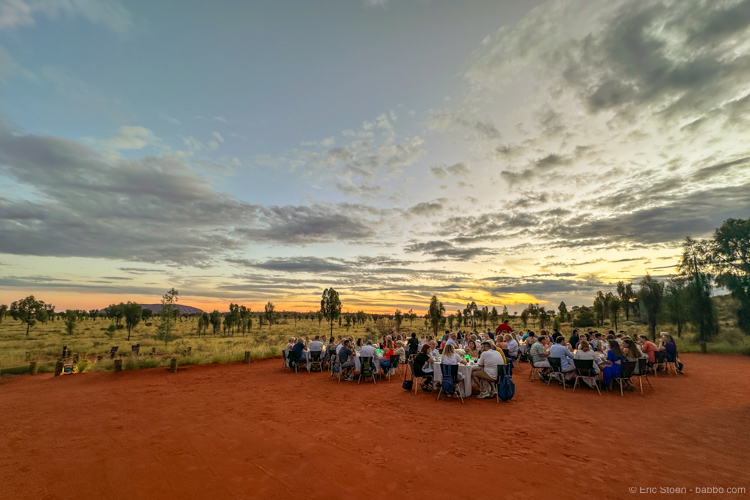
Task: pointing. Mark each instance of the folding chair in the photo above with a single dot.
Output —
(533, 369)
(450, 372)
(414, 376)
(316, 365)
(556, 365)
(585, 370)
(627, 368)
(660, 360)
(366, 369)
(642, 365)
(394, 365)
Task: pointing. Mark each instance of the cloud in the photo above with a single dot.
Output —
(151, 209)
(129, 137)
(448, 251)
(109, 13)
(458, 169)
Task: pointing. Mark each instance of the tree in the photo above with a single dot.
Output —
(116, 312)
(330, 306)
(435, 313)
(494, 316)
(485, 315)
(3, 312)
(534, 313)
(676, 302)
(451, 319)
(133, 313)
(612, 306)
(167, 316)
(270, 314)
(398, 318)
(203, 321)
(71, 319)
(505, 314)
(543, 318)
(525, 317)
(563, 309)
(146, 314)
(731, 259)
(650, 295)
(215, 319)
(29, 311)
(694, 267)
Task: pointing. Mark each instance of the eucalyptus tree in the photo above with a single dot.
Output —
(28, 311)
(651, 295)
(270, 313)
(330, 306)
(731, 258)
(167, 316)
(133, 313)
(435, 314)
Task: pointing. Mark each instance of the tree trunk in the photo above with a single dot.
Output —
(679, 329)
(128, 334)
(28, 325)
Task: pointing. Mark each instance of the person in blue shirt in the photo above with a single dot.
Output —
(566, 357)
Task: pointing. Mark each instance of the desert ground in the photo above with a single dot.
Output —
(260, 431)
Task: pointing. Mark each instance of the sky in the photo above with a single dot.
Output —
(499, 152)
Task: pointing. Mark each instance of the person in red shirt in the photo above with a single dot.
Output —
(648, 348)
(504, 327)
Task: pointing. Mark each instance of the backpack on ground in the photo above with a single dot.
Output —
(507, 389)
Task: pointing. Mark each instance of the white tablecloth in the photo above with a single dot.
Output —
(463, 370)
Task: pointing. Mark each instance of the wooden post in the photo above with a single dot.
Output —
(118, 365)
(33, 368)
(58, 368)
(173, 366)
(153, 351)
(247, 358)
(704, 349)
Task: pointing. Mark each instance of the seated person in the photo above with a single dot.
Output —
(346, 357)
(423, 368)
(289, 345)
(538, 353)
(560, 350)
(414, 344)
(315, 344)
(512, 346)
(487, 375)
(400, 352)
(434, 353)
(472, 350)
(450, 357)
(295, 355)
(585, 352)
(386, 353)
(368, 350)
(648, 348)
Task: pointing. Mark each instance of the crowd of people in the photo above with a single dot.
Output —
(488, 350)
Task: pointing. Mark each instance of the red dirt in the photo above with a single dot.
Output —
(258, 431)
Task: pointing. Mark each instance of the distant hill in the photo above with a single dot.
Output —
(156, 308)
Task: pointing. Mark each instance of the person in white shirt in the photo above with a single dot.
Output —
(315, 344)
(450, 357)
(512, 346)
(585, 352)
(368, 350)
(434, 353)
(489, 361)
(559, 350)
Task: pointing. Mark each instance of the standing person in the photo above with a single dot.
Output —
(487, 375)
(413, 344)
(574, 338)
(504, 327)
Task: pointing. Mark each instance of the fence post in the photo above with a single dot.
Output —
(704, 349)
(58, 368)
(173, 366)
(33, 368)
(118, 365)
(247, 358)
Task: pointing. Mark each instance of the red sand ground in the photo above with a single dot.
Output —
(259, 431)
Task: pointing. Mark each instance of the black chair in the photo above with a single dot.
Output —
(293, 362)
(585, 370)
(642, 366)
(316, 365)
(113, 352)
(416, 378)
(366, 369)
(627, 368)
(660, 361)
(395, 359)
(283, 355)
(452, 372)
(556, 365)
